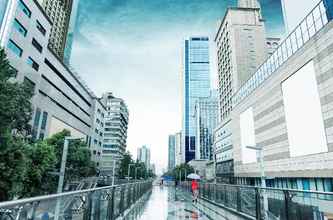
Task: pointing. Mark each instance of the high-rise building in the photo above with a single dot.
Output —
(206, 115)
(115, 131)
(172, 152)
(95, 141)
(144, 155)
(72, 29)
(241, 48)
(196, 84)
(179, 150)
(59, 12)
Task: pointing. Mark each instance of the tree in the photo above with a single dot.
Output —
(15, 99)
(15, 115)
(78, 165)
(180, 171)
(13, 166)
(41, 159)
(126, 160)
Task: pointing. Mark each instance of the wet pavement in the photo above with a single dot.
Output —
(167, 203)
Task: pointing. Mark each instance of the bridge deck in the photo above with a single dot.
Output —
(167, 203)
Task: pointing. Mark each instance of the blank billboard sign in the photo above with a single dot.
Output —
(304, 118)
(247, 136)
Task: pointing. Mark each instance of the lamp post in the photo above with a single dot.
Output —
(262, 174)
(62, 173)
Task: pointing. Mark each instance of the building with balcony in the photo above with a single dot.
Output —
(115, 132)
(59, 12)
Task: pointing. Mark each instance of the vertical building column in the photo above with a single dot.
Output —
(329, 9)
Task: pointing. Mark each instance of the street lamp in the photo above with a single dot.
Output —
(62, 172)
(263, 178)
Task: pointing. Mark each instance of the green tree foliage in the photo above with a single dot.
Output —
(180, 171)
(41, 160)
(126, 160)
(79, 162)
(13, 166)
(15, 108)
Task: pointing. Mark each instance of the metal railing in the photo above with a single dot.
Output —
(308, 27)
(107, 202)
(267, 203)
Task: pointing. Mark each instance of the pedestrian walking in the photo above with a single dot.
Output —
(195, 190)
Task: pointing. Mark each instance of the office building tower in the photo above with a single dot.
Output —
(179, 150)
(206, 116)
(172, 152)
(60, 100)
(241, 48)
(59, 12)
(290, 90)
(144, 155)
(196, 84)
(115, 131)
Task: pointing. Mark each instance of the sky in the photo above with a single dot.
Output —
(133, 48)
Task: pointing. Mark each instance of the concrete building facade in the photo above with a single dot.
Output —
(286, 109)
(241, 48)
(60, 101)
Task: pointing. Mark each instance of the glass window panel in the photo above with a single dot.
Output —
(24, 8)
(15, 48)
(20, 28)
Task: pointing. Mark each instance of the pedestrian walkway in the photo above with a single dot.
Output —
(167, 203)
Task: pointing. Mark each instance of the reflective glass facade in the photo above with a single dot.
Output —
(196, 85)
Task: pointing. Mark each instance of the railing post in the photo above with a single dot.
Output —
(239, 199)
(110, 211)
(258, 204)
(121, 203)
(287, 202)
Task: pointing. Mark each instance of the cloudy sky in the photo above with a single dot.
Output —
(133, 48)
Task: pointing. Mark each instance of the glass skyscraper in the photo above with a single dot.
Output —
(196, 85)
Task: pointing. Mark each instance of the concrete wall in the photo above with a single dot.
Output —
(270, 121)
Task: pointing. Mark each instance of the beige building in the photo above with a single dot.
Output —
(59, 12)
(286, 108)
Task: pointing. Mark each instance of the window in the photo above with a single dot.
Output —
(29, 83)
(24, 8)
(37, 45)
(35, 124)
(44, 120)
(20, 28)
(33, 64)
(40, 27)
(14, 48)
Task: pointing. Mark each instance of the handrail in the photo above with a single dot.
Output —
(272, 188)
(60, 195)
